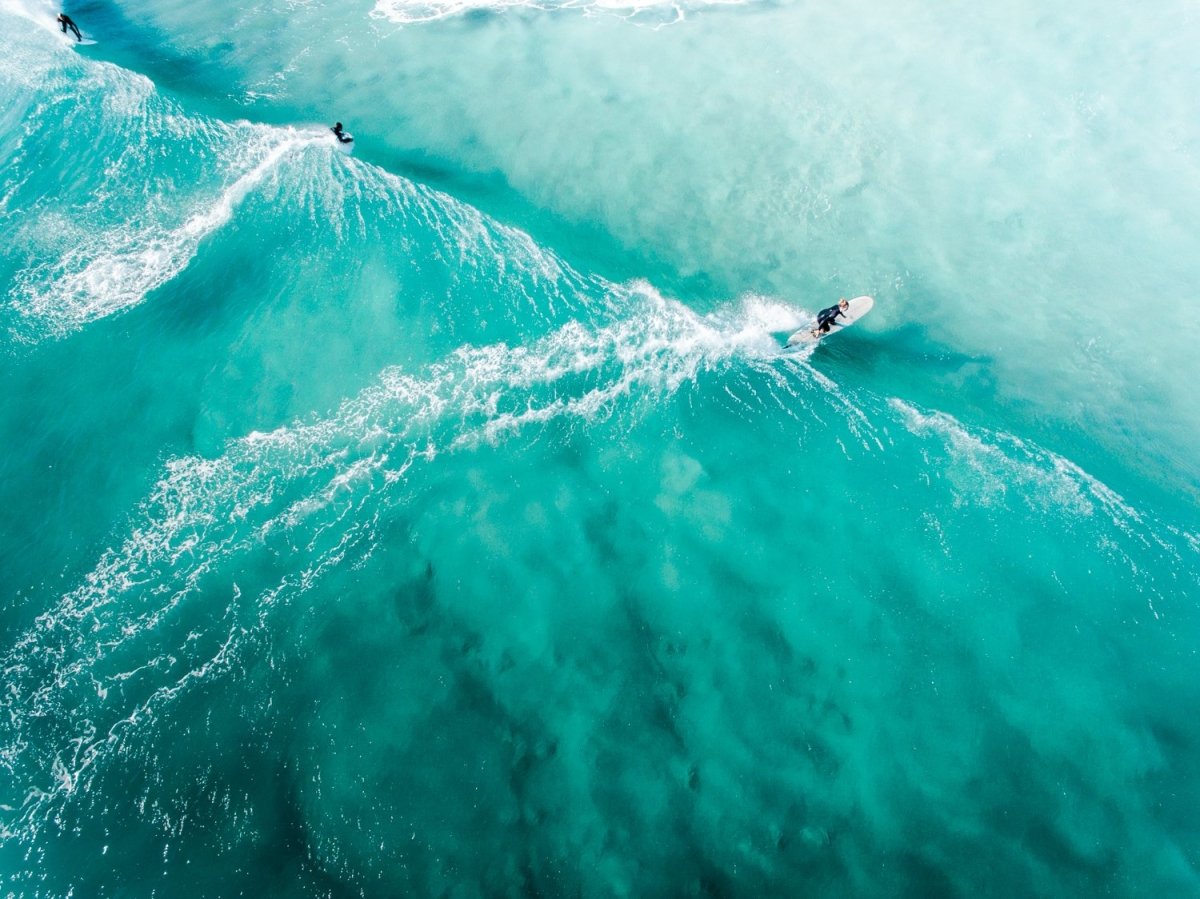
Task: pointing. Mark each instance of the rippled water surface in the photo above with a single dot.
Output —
(447, 518)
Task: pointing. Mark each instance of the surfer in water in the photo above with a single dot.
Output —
(65, 22)
(341, 135)
(826, 317)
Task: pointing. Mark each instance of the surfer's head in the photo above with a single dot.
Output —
(844, 303)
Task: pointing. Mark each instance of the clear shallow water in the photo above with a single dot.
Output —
(445, 519)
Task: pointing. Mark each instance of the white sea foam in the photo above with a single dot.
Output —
(41, 13)
(990, 465)
(1004, 462)
(986, 467)
(655, 12)
(116, 268)
(151, 209)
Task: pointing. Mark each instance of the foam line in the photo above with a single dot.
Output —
(993, 468)
(40, 14)
(118, 268)
(657, 12)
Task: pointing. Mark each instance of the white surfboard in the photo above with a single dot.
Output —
(859, 306)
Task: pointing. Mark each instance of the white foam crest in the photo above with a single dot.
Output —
(40, 14)
(115, 269)
(61, 88)
(656, 348)
(124, 94)
(20, 63)
(988, 467)
(653, 12)
(992, 464)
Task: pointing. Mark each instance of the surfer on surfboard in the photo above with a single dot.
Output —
(825, 318)
(340, 134)
(65, 22)
(843, 315)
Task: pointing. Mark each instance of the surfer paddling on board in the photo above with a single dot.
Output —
(65, 22)
(826, 317)
(340, 134)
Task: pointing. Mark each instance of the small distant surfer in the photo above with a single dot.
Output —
(65, 22)
(826, 317)
(340, 134)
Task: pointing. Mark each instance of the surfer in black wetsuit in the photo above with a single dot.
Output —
(65, 21)
(826, 317)
(339, 134)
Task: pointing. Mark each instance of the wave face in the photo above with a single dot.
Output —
(445, 518)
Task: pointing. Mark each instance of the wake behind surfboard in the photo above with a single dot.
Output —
(859, 306)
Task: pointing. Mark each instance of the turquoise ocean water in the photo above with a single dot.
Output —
(445, 518)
